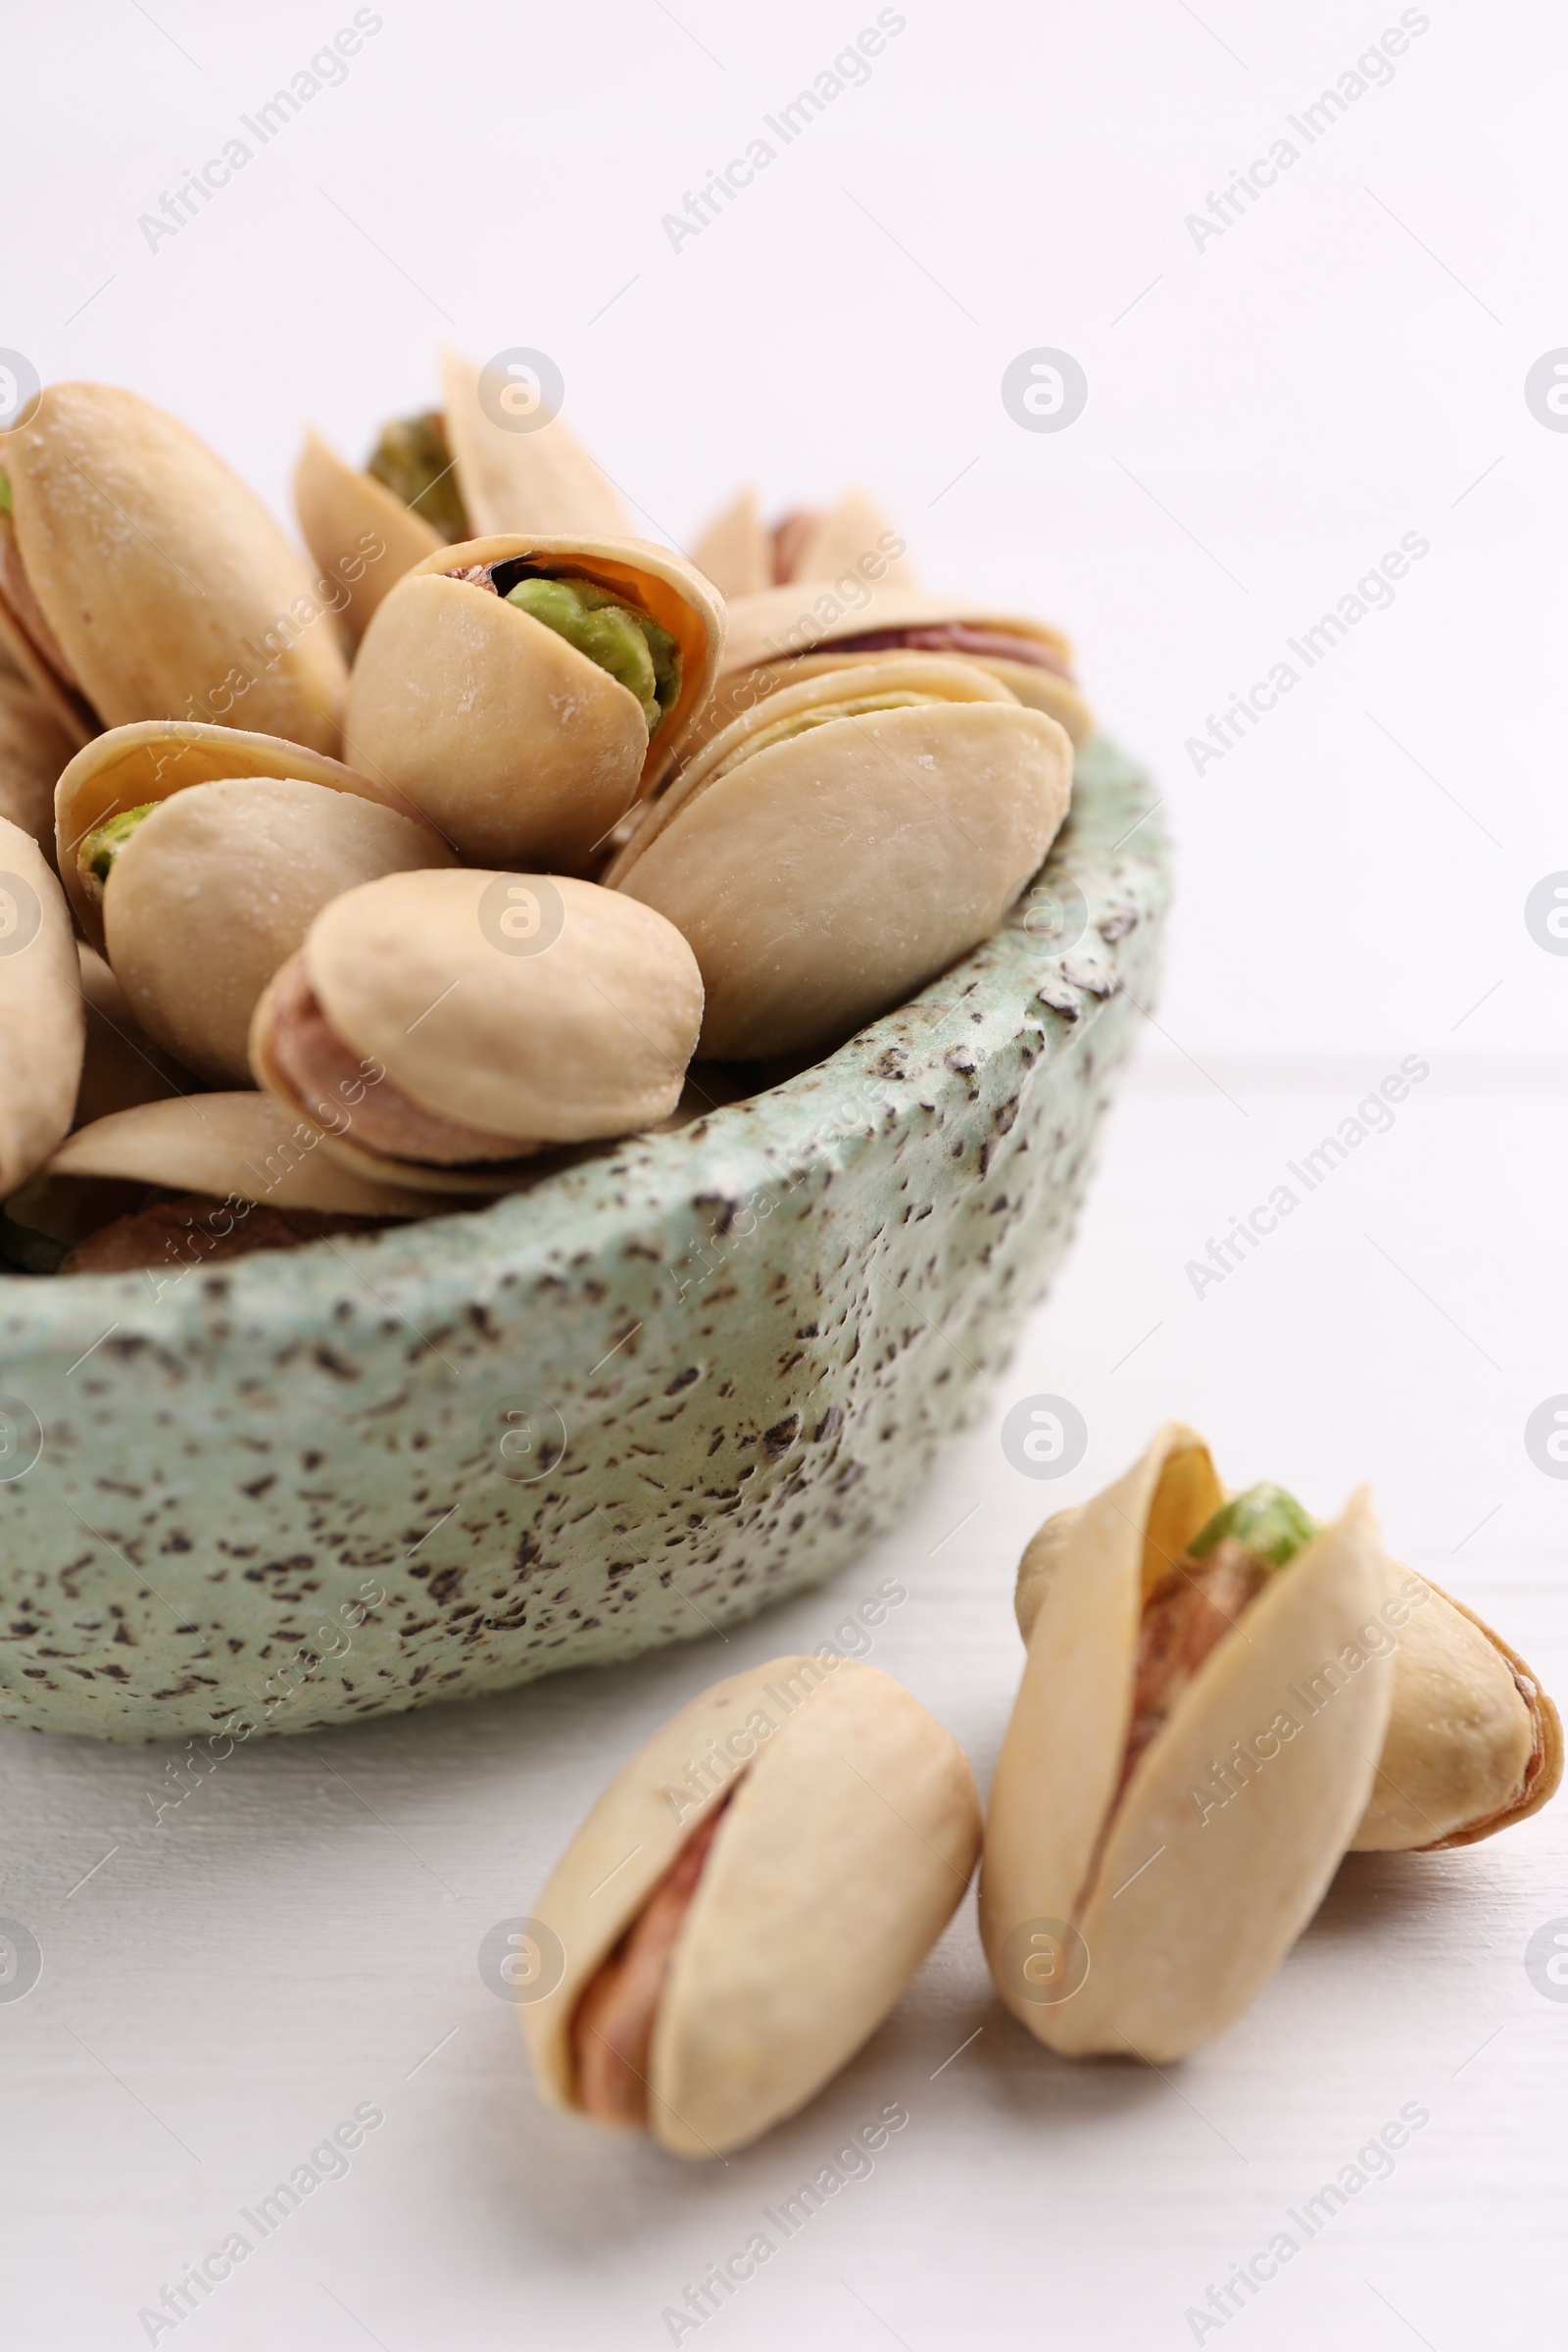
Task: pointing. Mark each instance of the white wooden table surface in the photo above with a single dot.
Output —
(300, 1939)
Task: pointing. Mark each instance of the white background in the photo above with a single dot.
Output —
(1266, 418)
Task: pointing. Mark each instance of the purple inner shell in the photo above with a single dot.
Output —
(952, 637)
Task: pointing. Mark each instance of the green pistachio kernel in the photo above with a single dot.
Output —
(102, 846)
(6, 508)
(1269, 1523)
(637, 652)
(412, 461)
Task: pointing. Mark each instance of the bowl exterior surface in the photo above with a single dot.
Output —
(667, 1386)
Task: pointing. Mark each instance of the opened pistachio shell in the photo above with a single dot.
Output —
(33, 749)
(854, 539)
(345, 516)
(788, 632)
(848, 1835)
(240, 1145)
(844, 841)
(522, 1010)
(218, 886)
(128, 766)
(164, 582)
(42, 1020)
(1473, 1741)
(517, 746)
(1142, 1923)
(538, 480)
(121, 1065)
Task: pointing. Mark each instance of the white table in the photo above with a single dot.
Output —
(299, 1939)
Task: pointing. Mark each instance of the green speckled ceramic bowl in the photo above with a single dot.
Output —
(667, 1386)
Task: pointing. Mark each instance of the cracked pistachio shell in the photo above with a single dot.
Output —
(343, 516)
(541, 480)
(33, 749)
(1181, 1913)
(42, 1020)
(160, 572)
(240, 1144)
(848, 1843)
(1472, 1743)
(589, 1036)
(129, 767)
(827, 858)
(121, 1065)
(517, 747)
(790, 631)
(218, 888)
(740, 555)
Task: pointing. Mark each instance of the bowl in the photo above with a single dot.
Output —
(661, 1389)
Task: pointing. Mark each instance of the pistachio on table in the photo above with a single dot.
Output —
(523, 692)
(787, 633)
(747, 1900)
(1472, 1743)
(42, 1020)
(742, 555)
(507, 1014)
(177, 1185)
(1128, 1904)
(33, 749)
(448, 474)
(139, 576)
(844, 840)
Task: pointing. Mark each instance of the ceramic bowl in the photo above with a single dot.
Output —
(665, 1387)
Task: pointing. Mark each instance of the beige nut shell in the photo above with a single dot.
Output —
(33, 750)
(848, 1843)
(539, 480)
(737, 549)
(343, 514)
(519, 748)
(121, 1065)
(42, 1020)
(823, 875)
(1183, 1912)
(218, 888)
(128, 766)
(160, 573)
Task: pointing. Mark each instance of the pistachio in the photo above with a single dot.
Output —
(844, 840)
(33, 749)
(42, 1020)
(507, 1013)
(138, 577)
(446, 475)
(1171, 1801)
(747, 1900)
(1473, 1743)
(524, 726)
(852, 540)
(121, 1065)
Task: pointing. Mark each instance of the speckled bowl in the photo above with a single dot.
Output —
(665, 1387)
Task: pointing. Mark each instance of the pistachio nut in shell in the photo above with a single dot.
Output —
(844, 841)
(42, 1020)
(747, 1900)
(121, 1065)
(473, 695)
(786, 633)
(129, 768)
(507, 1012)
(1472, 1743)
(216, 887)
(742, 555)
(175, 1184)
(161, 580)
(1128, 1905)
(33, 749)
(359, 531)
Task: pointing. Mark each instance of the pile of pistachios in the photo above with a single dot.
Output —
(1221, 1697)
(337, 896)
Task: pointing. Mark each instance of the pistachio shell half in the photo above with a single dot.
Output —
(747, 1900)
(33, 749)
(845, 840)
(787, 632)
(42, 1020)
(1127, 1905)
(218, 886)
(543, 480)
(742, 556)
(344, 516)
(161, 580)
(1473, 1741)
(505, 1011)
(517, 745)
(129, 767)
